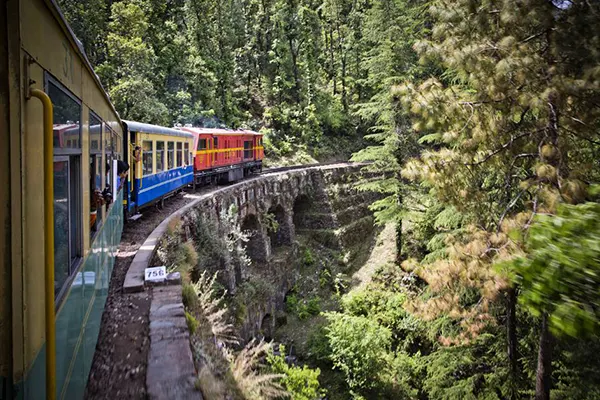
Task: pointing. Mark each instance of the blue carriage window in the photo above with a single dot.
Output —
(170, 155)
(67, 113)
(147, 155)
(179, 154)
(186, 154)
(160, 156)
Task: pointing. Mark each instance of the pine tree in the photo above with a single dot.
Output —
(514, 129)
(390, 30)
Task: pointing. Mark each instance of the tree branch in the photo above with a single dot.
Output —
(501, 148)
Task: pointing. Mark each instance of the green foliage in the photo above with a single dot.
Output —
(302, 383)
(307, 257)
(270, 221)
(190, 299)
(301, 307)
(359, 348)
(560, 275)
(467, 372)
(192, 323)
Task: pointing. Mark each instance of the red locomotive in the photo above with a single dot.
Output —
(225, 155)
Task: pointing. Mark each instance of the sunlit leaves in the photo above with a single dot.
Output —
(561, 274)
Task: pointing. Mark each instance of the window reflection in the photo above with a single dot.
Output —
(147, 157)
(171, 155)
(62, 246)
(96, 199)
(160, 154)
(67, 111)
(179, 154)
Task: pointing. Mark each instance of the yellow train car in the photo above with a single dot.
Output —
(59, 231)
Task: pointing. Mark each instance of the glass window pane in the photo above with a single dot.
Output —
(67, 113)
(62, 256)
(160, 156)
(147, 157)
(116, 148)
(186, 154)
(95, 134)
(247, 149)
(179, 154)
(202, 144)
(171, 155)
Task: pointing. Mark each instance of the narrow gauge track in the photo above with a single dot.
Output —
(120, 361)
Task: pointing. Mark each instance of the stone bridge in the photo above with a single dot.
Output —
(280, 209)
(319, 202)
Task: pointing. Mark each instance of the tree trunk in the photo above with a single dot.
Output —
(544, 367)
(511, 333)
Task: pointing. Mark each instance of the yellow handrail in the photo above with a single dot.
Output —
(49, 243)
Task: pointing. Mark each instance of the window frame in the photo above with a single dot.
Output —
(50, 79)
(170, 155)
(186, 153)
(178, 154)
(163, 159)
(200, 141)
(144, 154)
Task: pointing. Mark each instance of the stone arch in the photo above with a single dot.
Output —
(256, 247)
(266, 327)
(302, 208)
(282, 234)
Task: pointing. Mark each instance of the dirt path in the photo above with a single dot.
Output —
(119, 365)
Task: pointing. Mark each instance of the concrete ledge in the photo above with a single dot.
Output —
(171, 373)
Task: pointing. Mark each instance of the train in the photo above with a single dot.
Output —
(166, 160)
(65, 198)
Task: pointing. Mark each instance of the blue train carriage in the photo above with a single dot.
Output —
(59, 237)
(162, 165)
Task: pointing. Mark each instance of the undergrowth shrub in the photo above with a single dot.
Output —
(192, 322)
(301, 382)
(190, 299)
(245, 368)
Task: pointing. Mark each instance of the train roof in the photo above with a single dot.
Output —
(134, 126)
(218, 131)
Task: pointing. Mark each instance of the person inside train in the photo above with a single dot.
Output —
(107, 192)
(137, 154)
(122, 171)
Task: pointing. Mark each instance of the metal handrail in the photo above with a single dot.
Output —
(49, 242)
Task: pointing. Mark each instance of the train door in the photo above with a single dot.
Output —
(215, 151)
(135, 177)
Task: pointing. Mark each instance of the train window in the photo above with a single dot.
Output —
(216, 143)
(116, 146)
(67, 114)
(247, 149)
(62, 248)
(147, 157)
(110, 153)
(170, 155)
(202, 144)
(160, 156)
(95, 134)
(179, 154)
(186, 154)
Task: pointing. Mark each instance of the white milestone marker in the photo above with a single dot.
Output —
(156, 274)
